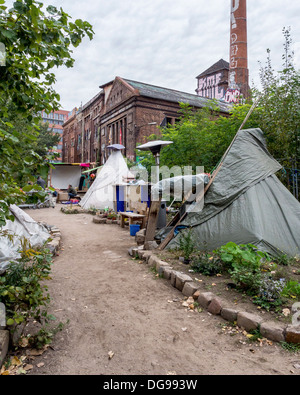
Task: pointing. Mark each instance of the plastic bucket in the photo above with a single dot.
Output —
(134, 228)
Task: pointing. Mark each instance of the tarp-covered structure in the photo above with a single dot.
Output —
(22, 227)
(179, 187)
(100, 195)
(63, 175)
(246, 203)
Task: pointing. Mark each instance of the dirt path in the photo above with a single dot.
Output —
(116, 304)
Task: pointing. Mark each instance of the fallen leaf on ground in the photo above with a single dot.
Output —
(15, 361)
(36, 353)
(23, 342)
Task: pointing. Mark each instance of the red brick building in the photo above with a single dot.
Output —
(213, 82)
(125, 112)
(56, 120)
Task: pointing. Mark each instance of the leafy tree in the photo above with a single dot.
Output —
(279, 115)
(36, 41)
(46, 140)
(200, 137)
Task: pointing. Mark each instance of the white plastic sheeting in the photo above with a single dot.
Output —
(101, 193)
(22, 227)
(64, 175)
(178, 187)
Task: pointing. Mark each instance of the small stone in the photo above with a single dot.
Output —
(205, 298)
(167, 273)
(272, 331)
(215, 306)
(173, 277)
(293, 334)
(153, 259)
(189, 288)
(248, 321)
(197, 294)
(229, 314)
(160, 267)
(4, 343)
(181, 279)
(151, 245)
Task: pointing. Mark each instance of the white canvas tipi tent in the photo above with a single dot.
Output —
(101, 193)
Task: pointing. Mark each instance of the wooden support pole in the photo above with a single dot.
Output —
(152, 220)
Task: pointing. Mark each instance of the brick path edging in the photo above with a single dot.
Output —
(213, 304)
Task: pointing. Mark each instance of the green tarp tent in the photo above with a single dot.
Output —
(246, 203)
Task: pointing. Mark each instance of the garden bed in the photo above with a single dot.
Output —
(212, 274)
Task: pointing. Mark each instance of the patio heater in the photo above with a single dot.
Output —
(155, 147)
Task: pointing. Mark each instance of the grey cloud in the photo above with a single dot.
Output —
(167, 42)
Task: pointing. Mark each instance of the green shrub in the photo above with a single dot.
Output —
(186, 244)
(207, 264)
(244, 263)
(291, 290)
(22, 288)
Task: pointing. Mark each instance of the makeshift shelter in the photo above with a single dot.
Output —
(101, 193)
(64, 174)
(22, 227)
(246, 203)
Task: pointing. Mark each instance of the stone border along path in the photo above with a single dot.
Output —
(214, 305)
(184, 283)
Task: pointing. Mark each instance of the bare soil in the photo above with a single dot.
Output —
(115, 304)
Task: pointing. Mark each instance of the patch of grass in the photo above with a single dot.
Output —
(290, 347)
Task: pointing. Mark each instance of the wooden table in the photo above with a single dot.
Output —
(132, 217)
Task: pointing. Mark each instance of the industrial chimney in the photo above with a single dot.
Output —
(238, 84)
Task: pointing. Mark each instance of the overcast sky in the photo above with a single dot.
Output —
(167, 42)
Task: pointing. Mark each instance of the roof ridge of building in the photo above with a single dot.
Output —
(220, 64)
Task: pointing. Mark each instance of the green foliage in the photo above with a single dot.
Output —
(244, 264)
(186, 244)
(45, 336)
(207, 264)
(37, 194)
(46, 140)
(279, 111)
(200, 138)
(254, 272)
(290, 347)
(36, 41)
(291, 290)
(23, 289)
